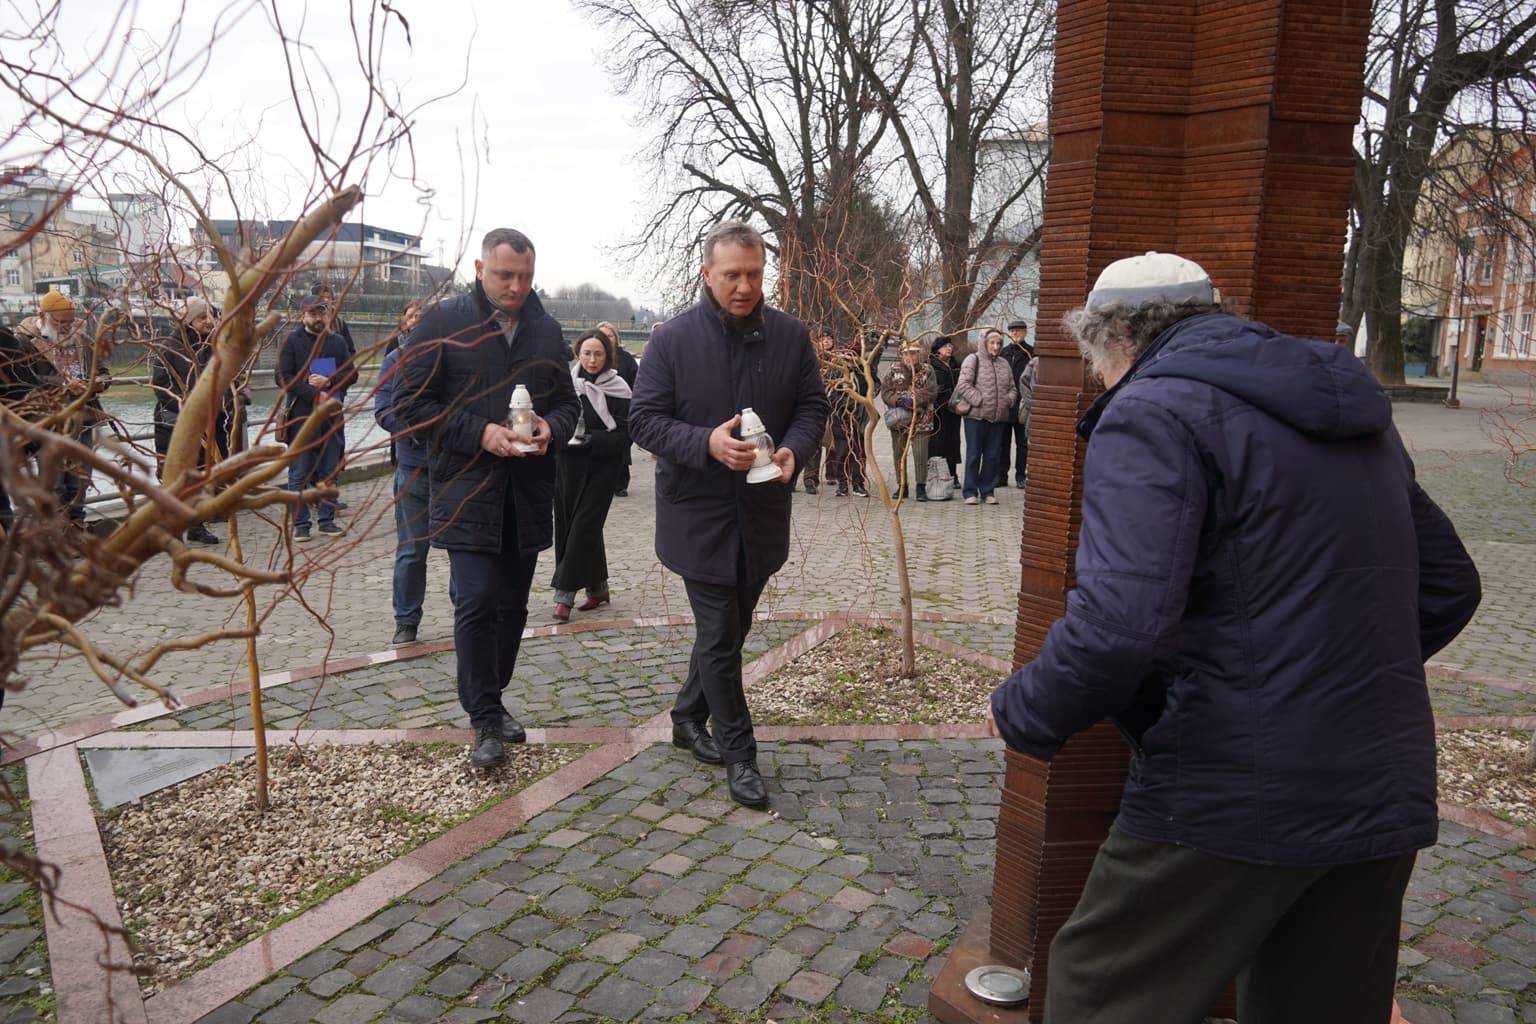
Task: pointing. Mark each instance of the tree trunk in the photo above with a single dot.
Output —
(1384, 320)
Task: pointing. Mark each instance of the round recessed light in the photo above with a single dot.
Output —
(998, 985)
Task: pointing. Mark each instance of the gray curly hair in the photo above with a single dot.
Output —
(1108, 334)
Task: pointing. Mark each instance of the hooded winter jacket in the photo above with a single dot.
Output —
(1259, 583)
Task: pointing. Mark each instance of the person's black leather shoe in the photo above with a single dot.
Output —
(488, 751)
(810, 488)
(512, 730)
(693, 736)
(922, 492)
(200, 534)
(746, 784)
(403, 635)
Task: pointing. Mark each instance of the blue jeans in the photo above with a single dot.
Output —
(316, 462)
(413, 495)
(983, 456)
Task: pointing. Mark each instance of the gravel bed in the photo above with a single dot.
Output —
(198, 871)
(854, 677)
(1490, 769)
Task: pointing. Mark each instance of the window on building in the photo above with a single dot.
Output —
(1485, 267)
(77, 256)
(13, 278)
(1525, 335)
(1506, 335)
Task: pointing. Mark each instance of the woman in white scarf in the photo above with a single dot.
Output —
(588, 471)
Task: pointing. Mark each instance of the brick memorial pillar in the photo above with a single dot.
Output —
(1220, 131)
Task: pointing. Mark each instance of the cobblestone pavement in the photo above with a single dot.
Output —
(1451, 696)
(26, 987)
(1469, 932)
(649, 895)
(962, 559)
(603, 678)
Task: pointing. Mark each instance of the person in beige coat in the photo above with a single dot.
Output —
(985, 393)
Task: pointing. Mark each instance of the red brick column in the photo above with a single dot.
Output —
(1219, 130)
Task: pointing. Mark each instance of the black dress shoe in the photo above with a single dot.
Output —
(200, 534)
(746, 784)
(512, 730)
(403, 635)
(622, 492)
(693, 736)
(488, 751)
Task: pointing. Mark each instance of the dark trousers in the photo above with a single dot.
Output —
(947, 441)
(845, 465)
(722, 617)
(1018, 446)
(984, 443)
(1160, 930)
(490, 609)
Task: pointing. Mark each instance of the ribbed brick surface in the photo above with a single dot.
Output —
(1218, 130)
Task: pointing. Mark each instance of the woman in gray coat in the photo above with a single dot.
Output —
(987, 391)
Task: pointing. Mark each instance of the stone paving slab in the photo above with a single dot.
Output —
(1452, 696)
(650, 895)
(601, 678)
(26, 986)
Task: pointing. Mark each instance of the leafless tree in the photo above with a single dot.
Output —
(1435, 69)
(110, 116)
(760, 113)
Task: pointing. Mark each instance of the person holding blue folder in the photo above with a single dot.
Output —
(313, 365)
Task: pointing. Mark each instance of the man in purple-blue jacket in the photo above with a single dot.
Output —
(1259, 583)
(724, 536)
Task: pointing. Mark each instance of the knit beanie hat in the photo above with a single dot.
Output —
(192, 309)
(1153, 277)
(56, 302)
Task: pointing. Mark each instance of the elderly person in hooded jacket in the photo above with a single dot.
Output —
(1259, 583)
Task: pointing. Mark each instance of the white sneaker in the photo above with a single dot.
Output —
(989, 499)
(971, 500)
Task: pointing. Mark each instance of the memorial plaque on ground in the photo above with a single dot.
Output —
(120, 776)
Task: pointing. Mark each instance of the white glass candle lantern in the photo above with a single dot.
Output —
(763, 468)
(520, 419)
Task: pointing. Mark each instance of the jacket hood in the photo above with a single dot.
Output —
(1318, 388)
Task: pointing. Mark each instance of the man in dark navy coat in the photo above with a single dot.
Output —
(1259, 583)
(492, 504)
(724, 536)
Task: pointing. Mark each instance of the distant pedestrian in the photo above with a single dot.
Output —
(175, 364)
(587, 474)
(73, 365)
(987, 387)
(832, 381)
(1259, 583)
(946, 373)
(492, 500)
(1020, 353)
(724, 536)
(627, 366)
(412, 490)
(846, 416)
(21, 377)
(313, 367)
(908, 391)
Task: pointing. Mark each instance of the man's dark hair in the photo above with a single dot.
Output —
(504, 236)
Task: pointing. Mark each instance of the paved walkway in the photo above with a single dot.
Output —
(628, 887)
(963, 559)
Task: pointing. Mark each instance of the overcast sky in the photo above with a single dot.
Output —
(558, 154)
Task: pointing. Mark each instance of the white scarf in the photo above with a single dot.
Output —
(597, 392)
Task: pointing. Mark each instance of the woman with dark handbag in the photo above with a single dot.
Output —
(946, 373)
(908, 391)
(588, 472)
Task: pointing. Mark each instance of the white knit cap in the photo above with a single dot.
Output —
(192, 309)
(1155, 277)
